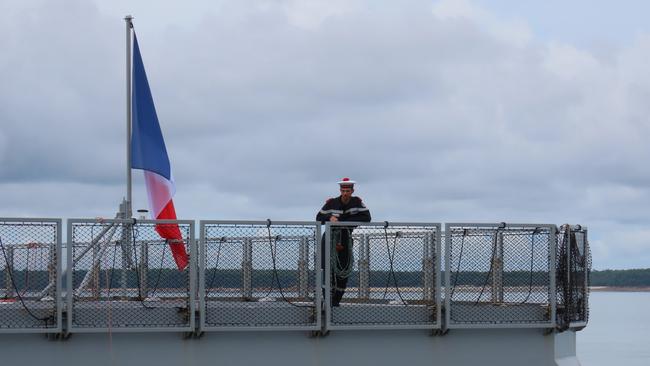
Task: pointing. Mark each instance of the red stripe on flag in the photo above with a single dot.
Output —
(172, 233)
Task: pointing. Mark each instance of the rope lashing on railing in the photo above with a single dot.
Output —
(492, 260)
(532, 257)
(274, 249)
(216, 264)
(131, 226)
(138, 270)
(20, 297)
(571, 269)
(391, 264)
(561, 277)
(339, 269)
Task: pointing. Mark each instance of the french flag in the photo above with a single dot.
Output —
(148, 153)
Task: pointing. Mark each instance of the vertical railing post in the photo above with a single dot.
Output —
(437, 263)
(501, 264)
(568, 302)
(319, 288)
(9, 271)
(126, 246)
(427, 266)
(303, 260)
(585, 289)
(144, 269)
(124, 243)
(552, 245)
(447, 264)
(96, 269)
(327, 273)
(56, 293)
(364, 267)
(497, 269)
(202, 267)
(192, 288)
(247, 269)
(51, 268)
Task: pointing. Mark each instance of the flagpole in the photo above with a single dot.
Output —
(129, 25)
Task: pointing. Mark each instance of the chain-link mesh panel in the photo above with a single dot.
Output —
(29, 274)
(259, 275)
(499, 274)
(572, 277)
(125, 276)
(384, 275)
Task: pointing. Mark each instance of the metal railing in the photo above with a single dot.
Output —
(382, 275)
(120, 275)
(573, 264)
(259, 275)
(123, 276)
(30, 282)
(499, 275)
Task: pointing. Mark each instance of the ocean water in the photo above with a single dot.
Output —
(618, 332)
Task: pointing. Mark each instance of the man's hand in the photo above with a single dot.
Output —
(334, 218)
(339, 247)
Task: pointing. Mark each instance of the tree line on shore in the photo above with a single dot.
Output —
(621, 278)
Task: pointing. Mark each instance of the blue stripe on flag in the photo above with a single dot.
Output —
(148, 150)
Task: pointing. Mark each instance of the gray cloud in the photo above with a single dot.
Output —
(443, 113)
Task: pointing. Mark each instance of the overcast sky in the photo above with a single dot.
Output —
(443, 111)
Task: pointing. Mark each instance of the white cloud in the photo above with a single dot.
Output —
(311, 14)
(514, 31)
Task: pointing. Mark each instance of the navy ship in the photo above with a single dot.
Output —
(255, 292)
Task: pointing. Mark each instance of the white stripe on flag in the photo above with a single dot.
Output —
(160, 191)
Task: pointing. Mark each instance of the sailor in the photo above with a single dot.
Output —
(345, 207)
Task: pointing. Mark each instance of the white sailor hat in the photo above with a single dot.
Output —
(345, 182)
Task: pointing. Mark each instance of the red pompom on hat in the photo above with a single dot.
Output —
(346, 182)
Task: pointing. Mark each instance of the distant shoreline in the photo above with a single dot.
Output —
(619, 289)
